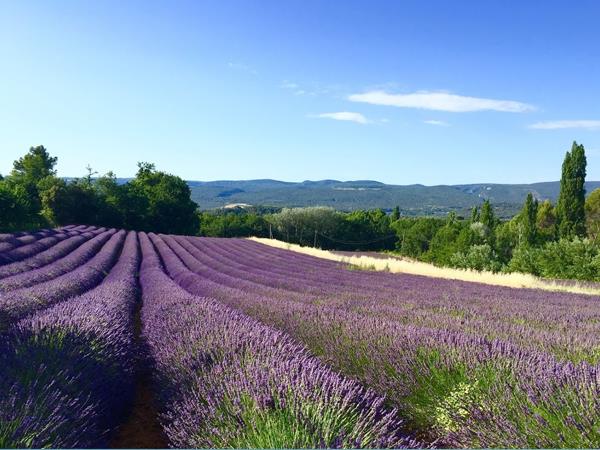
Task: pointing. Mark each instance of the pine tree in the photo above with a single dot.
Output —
(571, 201)
(396, 213)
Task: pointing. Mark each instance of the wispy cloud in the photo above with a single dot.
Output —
(439, 123)
(440, 101)
(242, 67)
(561, 124)
(307, 89)
(295, 88)
(344, 115)
(289, 85)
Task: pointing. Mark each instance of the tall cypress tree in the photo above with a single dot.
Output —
(571, 201)
(474, 214)
(487, 215)
(529, 219)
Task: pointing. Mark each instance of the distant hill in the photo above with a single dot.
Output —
(414, 199)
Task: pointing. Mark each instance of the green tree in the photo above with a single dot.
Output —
(396, 213)
(69, 203)
(448, 240)
(367, 230)
(112, 201)
(474, 214)
(300, 225)
(528, 220)
(507, 239)
(162, 202)
(14, 207)
(477, 257)
(28, 171)
(233, 224)
(592, 215)
(565, 259)
(36, 165)
(546, 221)
(571, 200)
(487, 216)
(52, 192)
(414, 234)
(489, 221)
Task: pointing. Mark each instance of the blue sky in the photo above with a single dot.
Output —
(401, 91)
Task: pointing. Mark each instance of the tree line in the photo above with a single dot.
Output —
(558, 241)
(32, 196)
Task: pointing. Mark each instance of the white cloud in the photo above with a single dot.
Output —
(289, 85)
(242, 67)
(439, 123)
(561, 124)
(307, 89)
(344, 115)
(440, 101)
(295, 88)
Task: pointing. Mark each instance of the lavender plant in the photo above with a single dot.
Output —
(18, 303)
(50, 255)
(66, 372)
(60, 267)
(25, 246)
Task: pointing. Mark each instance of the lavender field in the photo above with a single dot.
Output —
(243, 345)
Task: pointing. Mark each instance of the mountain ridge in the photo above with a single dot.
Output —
(413, 199)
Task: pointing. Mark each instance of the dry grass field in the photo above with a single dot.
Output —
(404, 265)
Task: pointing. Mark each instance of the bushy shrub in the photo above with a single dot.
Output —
(576, 259)
(524, 259)
(454, 237)
(477, 257)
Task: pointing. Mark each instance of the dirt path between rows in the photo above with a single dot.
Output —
(141, 428)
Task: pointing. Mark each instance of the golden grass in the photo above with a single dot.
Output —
(396, 265)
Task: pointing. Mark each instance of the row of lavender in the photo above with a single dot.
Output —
(48, 255)
(481, 372)
(17, 248)
(69, 276)
(9, 241)
(66, 371)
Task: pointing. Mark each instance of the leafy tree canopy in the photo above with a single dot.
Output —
(36, 165)
(592, 215)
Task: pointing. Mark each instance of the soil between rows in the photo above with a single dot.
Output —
(141, 428)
